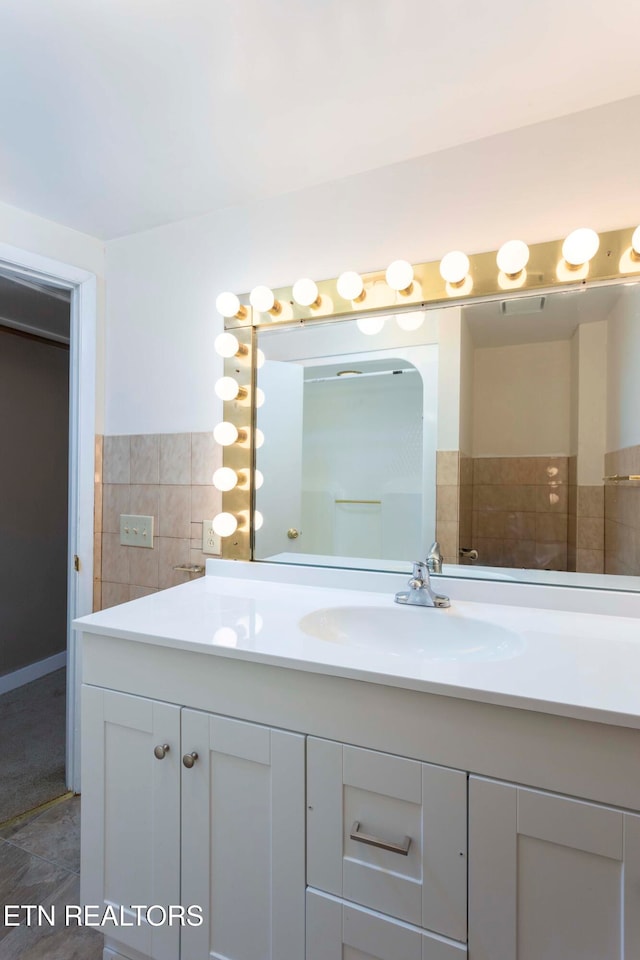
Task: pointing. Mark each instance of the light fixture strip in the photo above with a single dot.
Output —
(545, 270)
(239, 456)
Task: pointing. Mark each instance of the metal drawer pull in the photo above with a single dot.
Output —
(189, 759)
(401, 848)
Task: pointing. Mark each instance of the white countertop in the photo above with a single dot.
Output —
(571, 664)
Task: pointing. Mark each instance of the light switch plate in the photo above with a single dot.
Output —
(210, 541)
(136, 531)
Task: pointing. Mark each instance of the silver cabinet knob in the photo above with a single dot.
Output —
(160, 751)
(189, 759)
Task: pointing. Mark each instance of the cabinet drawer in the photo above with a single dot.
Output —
(342, 931)
(364, 809)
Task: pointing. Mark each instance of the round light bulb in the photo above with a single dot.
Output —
(370, 325)
(227, 304)
(305, 292)
(260, 398)
(227, 388)
(262, 299)
(258, 520)
(226, 345)
(399, 275)
(410, 321)
(225, 479)
(635, 241)
(224, 524)
(580, 246)
(259, 438)
(258, 479)
(512, 257)
(225, 433)
(350, 285)
(454, 266)
(260, 358)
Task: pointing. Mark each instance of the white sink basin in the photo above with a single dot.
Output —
(413, 631)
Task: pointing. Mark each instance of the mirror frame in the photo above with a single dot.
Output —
(546, 272)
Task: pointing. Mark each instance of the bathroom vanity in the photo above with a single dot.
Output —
(331, 776)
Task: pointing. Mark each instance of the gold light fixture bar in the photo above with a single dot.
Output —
(546, 270)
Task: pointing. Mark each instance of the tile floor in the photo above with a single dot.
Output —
(40, 864)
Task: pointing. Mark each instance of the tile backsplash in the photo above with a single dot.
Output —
(168, 477)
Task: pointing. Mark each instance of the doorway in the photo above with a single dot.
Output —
(75, 290)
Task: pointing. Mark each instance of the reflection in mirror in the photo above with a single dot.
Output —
(350, 438)
(528, 405)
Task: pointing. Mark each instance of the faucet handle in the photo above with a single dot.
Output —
(434, 558)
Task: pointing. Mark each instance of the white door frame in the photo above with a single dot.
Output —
(82, 417)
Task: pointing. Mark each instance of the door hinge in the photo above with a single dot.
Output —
(76, 562)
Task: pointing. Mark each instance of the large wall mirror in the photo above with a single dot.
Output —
(506, 429)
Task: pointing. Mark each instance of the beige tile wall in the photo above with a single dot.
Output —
(622, 514)
(448, 507)
(168, 477)
(520, 511)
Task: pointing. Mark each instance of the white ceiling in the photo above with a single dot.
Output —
(118, 115)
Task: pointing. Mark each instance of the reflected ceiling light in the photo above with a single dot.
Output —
(224, 524)
(258, 520)
(229, 306)
(351, 286)
(580, 246)
(225, 479)
(227, 345)
(512, 257)
(228, 389)
(226, 433)
(370, 325)
(410, 321)
(305, 292)
(263, 300)
(259, 435)
(454, 267)
(260, 398)
(635, 243)
(399, 276)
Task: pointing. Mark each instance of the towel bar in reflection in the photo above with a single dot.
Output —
(357, 501)
(616, 478)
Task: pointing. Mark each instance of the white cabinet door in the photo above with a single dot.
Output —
(131, 813)
(243, 840)
(342, 931)
(551, 878)
(388, 833)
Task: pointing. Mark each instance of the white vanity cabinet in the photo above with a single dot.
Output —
(225, 832)
(551, 877)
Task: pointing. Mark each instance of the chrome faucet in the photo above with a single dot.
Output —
(434, 559)
(420, 592)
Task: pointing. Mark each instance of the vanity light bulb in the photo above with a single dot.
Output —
(370, 325)
(580, 246)
(226, 345)
(260, 358)
(410, 321)
(227, 388)
(305, 292)
(225, 479)
(454, 267)
(260, 398)
(350, 285)
(259, 438)
(262, 299)
(225, 434)
(512, 257)
(227, 304)
(258, 520)
(635, 241)
(224, 524)
(399, 275)
(258, 479)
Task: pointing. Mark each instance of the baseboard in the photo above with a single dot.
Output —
(34, 671)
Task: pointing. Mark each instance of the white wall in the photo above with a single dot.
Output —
(623, 371)
(521, 400)
(36, 235)
(538, 183)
